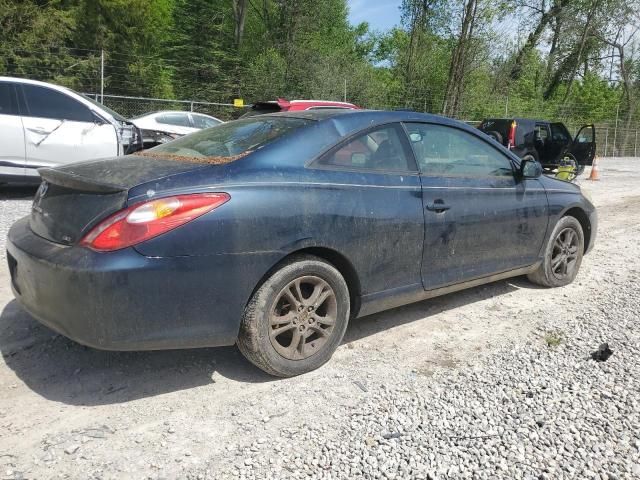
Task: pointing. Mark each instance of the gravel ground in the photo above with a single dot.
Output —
(15, 203)
(539, 409)
(494, 382)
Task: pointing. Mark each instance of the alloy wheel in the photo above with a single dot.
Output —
(565, 253)
(303, 317)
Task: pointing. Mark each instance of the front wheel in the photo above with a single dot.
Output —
(562, 255)
(296, 319)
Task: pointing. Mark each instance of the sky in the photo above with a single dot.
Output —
(380, 14)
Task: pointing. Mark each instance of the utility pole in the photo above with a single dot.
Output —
(506, 107)
(102, 76)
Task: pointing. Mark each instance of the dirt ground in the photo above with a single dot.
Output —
(67, 411)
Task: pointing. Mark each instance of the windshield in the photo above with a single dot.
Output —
(232, 139)
(113, 113)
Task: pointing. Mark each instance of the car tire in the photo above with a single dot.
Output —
(283, 331)
(562, 255)
(579, 170)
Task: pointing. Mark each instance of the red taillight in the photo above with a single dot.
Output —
(511, 139)
(144, 221)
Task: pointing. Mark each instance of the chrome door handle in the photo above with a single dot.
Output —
(437, 206)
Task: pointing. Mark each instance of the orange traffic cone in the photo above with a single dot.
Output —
(595, 175)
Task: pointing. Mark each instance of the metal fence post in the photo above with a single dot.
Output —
(192, 106)
(615, 131)
(102, 76)
(606, 141)
(635, 145)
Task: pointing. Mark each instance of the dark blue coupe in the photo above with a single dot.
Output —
(272, 232)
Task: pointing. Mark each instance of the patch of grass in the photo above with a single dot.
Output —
(553, 339)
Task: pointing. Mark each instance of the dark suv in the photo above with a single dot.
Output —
(550, 143)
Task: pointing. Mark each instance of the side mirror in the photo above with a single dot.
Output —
(529, 168)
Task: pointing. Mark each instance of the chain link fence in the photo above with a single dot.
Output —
(131, 107)
(612, 140)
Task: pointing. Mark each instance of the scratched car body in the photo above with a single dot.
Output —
(273, 232)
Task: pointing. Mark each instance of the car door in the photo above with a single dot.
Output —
(373, 186)
(480, 218)
(559, 144)
(542, 140)
(12, 148)
(60, 129)
(584, 145)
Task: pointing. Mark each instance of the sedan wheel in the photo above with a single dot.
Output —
(303, 317)
(297, 318)
(562, 256)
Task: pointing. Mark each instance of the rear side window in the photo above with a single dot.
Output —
(177, 119)
(45, 102)
(542, 132)
(447, 151)
(8, 104)
(381, 149)
(232, 139)
(200, 121)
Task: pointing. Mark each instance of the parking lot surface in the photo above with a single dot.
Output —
(492, 382)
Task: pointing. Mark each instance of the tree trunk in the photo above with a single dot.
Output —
(239, 16)
(457, 68)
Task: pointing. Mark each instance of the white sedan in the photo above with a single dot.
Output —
(175, 122)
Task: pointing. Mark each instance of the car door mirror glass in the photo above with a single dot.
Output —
(530, 169)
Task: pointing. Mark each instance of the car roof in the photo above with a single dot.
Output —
(361, 118)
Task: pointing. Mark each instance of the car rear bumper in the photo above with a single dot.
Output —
(125, 301)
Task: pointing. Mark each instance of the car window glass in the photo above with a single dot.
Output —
(7, 99)
(447, 151)
(233, 138)
(585, 135)
(200, 121)
(45, 102)
(541, 132)
(177, 119)
(381, 149)
(559, 133)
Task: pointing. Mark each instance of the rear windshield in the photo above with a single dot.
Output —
(262, 108)
(231, 139)
(500, 126)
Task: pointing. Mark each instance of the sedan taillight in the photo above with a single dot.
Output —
(144, 221)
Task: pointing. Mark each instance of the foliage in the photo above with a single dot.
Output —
(576, 60)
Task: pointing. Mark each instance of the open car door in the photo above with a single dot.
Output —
(584, 145)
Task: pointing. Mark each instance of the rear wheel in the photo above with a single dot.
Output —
(562, 256)
(296, 319)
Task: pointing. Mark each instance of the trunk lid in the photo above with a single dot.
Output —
(73, 198)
